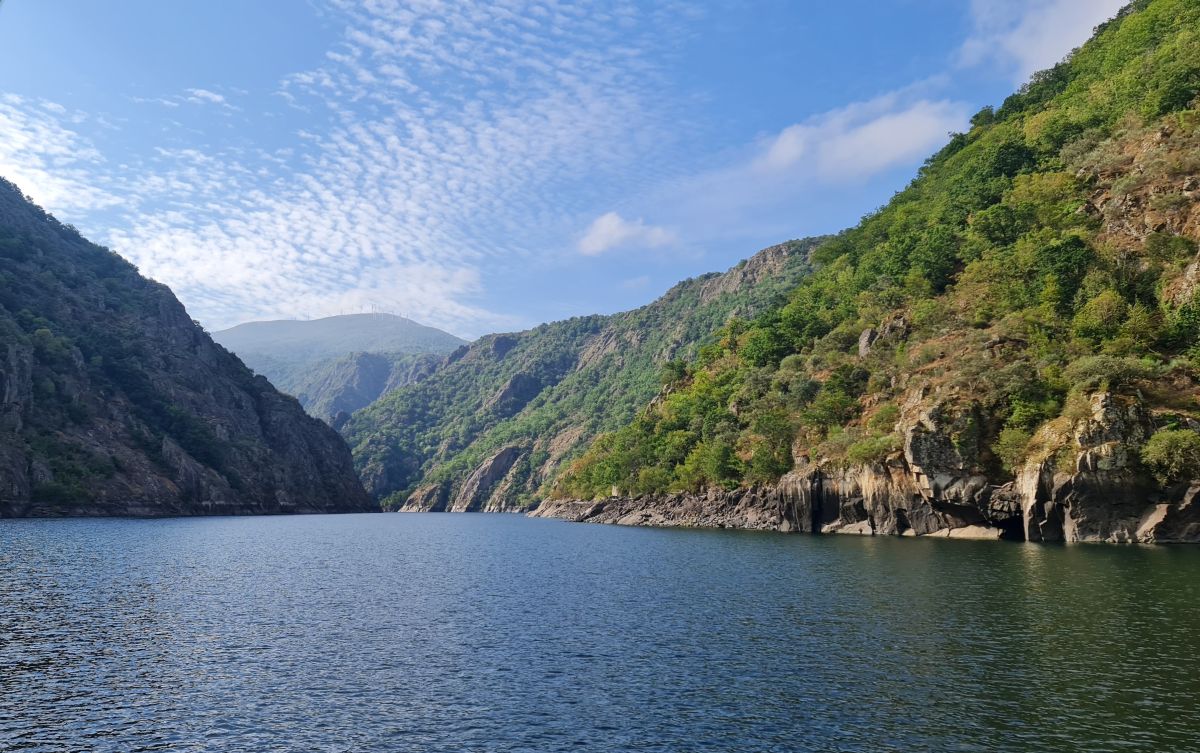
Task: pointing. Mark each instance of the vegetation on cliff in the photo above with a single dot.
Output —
(546, 392)
(1047, 254)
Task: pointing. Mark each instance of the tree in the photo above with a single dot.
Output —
(1101, 317)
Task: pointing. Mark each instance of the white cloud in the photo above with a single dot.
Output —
(850, 144)
(770, 188)
(155, 101)
(50, 162)
(863, 138)
(190, 96)
(1030, 35)
(611, 230)
(204, 96)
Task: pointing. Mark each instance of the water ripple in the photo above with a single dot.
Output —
(497, 633)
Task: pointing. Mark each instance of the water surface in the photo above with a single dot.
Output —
(500, 633)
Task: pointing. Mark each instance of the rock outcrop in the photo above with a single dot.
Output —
(514, 395)
(1084, 484)
(479, 485)
(773, 508)
(487, 489)
(428, 498)
(114, 402)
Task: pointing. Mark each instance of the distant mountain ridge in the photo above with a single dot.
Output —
(318, 339)
(339, 364)
(114, 402)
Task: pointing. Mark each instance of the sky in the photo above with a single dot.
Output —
(487, 166)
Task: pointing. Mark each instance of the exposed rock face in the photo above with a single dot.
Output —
(514, 395)
(866, 340)
(476, 489)
(114, 402)
(486, 489)
(929, 490)
(428, 498)
(1187, 287)
(1102, 495)
(500, 345)
(892, 329)
(774, 508)
(799, 502)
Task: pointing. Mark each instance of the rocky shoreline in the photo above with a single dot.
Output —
(1083, 483)
(799, 505)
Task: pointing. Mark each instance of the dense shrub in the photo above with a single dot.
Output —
(1173, 455)
(1108, 372)
(1012, 447)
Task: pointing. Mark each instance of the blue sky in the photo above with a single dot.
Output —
(485, 166)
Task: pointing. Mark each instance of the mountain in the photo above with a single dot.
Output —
(489, 427)
(333, 389)
(339, 363)
(116, 403)
(319, 339)
(1010, 347)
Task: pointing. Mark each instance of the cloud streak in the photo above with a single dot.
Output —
(206, 97)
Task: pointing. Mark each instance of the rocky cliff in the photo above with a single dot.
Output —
(114, 402)
(1084, 484)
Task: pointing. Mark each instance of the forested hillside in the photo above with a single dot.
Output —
(490, 427)
(114, 402)
(1027, 305)
(334, 388)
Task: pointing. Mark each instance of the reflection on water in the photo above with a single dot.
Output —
(497, 633)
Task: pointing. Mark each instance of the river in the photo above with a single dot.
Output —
(502, 633)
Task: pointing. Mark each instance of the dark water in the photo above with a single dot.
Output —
(498, 633)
